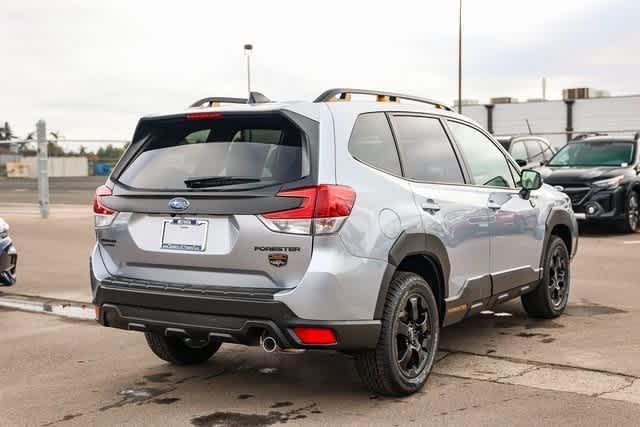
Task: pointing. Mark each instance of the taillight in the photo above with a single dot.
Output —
(102, 215)
(323, 210)
(315, 336)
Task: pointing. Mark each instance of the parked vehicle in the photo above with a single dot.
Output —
(361, 227)
(601, 174)
(8, 256)
(529, 152)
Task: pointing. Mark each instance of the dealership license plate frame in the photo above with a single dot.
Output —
(185, 234)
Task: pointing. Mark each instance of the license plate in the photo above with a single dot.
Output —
(580, 216)
(185, 234)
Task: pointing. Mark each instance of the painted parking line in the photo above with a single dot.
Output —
(632, 242)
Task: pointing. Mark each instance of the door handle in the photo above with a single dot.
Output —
(493, 205)
(430, 206)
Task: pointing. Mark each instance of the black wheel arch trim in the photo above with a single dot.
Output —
(409, 244)
(560, 217)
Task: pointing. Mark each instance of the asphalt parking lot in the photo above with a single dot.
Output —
(500, 368)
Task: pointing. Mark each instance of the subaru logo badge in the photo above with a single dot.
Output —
(179, 204)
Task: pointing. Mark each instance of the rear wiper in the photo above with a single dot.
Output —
(217, 181)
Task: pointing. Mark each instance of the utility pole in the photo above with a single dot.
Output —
(460, 57)
(247, 51)
(43, 168)
(544, 88)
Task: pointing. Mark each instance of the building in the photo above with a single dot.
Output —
(581, 110)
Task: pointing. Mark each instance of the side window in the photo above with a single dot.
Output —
(547, 152)
(489, 167)
(535, 150)
(425, 149)
(372, 142)
(518, 152)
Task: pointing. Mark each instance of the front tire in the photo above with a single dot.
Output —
(631, 221)
(406, 350)
(178, 351)
(550, 298)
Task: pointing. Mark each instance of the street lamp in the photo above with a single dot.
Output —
(247, 51)
(460, 56)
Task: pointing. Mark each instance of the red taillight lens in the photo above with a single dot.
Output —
(323, 210)
(315, 336)
(204, 115)
(98, 207)
(321, 201)
(304, 211)
(102, 215)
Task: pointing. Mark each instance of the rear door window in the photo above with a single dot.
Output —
(371, 142)
(518, 152)
(425, 150)
(535, 150)
(255, 150)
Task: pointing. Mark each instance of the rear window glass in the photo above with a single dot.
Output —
(254, 150)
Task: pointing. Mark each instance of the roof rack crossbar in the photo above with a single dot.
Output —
(217, 99)
(341, 92)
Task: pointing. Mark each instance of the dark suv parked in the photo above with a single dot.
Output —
(601, 175)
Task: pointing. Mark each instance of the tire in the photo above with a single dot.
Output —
(175, 350)
(631, 221)
(403, 332)
(550, 297)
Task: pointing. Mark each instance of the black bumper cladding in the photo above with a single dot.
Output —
(236, 319)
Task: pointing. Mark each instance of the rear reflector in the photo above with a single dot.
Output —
(204, 115)
(315, 336)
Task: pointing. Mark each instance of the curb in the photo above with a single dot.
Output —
(58, 307)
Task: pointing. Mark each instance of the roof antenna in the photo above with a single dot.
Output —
(247, 52)
(528, 126)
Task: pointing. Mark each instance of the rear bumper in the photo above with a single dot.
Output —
(8, 263)
(237, 319)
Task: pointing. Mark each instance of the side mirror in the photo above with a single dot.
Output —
(521, 163)
(530, 180)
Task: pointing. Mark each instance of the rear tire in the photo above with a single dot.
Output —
(631, 220)
(550, 298)
(175, 350)
(406, 350)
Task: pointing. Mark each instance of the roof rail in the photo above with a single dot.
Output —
(345, 95)
(214, 101)
(587, 135)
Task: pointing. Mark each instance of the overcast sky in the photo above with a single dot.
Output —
(92, 68)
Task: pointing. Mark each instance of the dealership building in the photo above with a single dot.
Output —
(581, 110)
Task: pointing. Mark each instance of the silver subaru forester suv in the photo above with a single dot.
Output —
(339, 224)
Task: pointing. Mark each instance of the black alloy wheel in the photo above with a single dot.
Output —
(413, 329)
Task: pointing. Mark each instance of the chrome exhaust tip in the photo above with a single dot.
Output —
(268, 343)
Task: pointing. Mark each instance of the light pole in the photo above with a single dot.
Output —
(247, 51)
(460, 57)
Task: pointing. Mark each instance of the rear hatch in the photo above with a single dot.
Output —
(186, 201)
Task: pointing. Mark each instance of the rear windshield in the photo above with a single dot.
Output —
(594, 153)
(251, 151)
